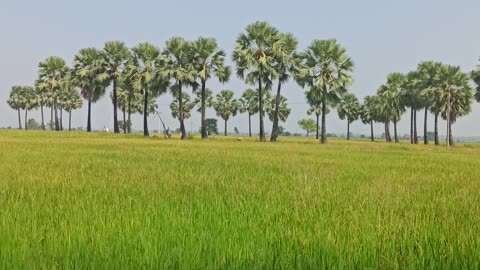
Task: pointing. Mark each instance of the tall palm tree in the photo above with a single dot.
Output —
(143, 70)
(51, 73)
(348, 108)
(28, 101)
(390, 97)
(70, 100)
(249, 105)
(42, 102)
(454, 94)
(412, 97)
(177, 66)
(14, 101)
(115, 55)
(226, 106)
(209, 61)
(253, 56)
(314, 100)
(367, 113)
(428, 75)
(86, 73)
(285, 61)
(327, 68)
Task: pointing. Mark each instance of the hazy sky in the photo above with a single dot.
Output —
(381, 37)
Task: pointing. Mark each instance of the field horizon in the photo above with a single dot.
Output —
(102, 200)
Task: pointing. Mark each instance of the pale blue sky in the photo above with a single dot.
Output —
(380, 36)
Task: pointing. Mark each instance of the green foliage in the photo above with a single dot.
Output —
(349, 108)
(225, 105)
(32, 124)
(283, 110)
(187, 106)
(211, 125)
(309, 125)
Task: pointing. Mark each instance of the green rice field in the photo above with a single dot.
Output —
(96, 201)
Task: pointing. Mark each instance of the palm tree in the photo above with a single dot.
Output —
(87, 68)
(249, 104)
(253, 56)
(14, 101)
(28, 101)
(70, 100)
(205, 98)
(177, 65)
(115, 55)
(390, 97)
(348, 108)
(327, 68)
(314, 100)
(209, 61)
(412, 97)
(454, 95)
(277, 105)
(42, 102)
(143, 70)
(367, 113)
(51, 73)
(285, 62)
(226, 106)
(187, 106)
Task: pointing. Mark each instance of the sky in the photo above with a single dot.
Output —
(380, 36)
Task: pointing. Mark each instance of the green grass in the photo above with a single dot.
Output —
(76, 200)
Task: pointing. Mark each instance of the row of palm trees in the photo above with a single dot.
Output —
(441, 89)
(263, 56)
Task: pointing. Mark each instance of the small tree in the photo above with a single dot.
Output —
(308, 125)
(226, 106)
(211, 125)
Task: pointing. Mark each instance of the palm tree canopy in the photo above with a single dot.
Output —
(86, 72)
(367, 110)
(114, 56)
(285, 56)
(15, 96)
(476, 78)
(390, 97)
(325, 65)
(50, 75)
(209, 60)
(249, 102)
(225, 105)
(253, 53)
(349, 108)
(176, 62)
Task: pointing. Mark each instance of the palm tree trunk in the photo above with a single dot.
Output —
(415, 134)
(448, 122)
(145, 112)
(61, 118)
(115, 118)
(43, 120)
(89, 116)
(411, 126)
(274, 136)
(124, 122)
(225, 127)
(437, 141)
(371, 131)
(51, 117)
(450, 135)
(26, 120)
(203, 109)
(425, 136)
(180, 111)
(348, 129)
(57, 124)
(70, 120)
(129, 126)
(317, 136)
(249, 125)
(395, 131)
(260, 109)
(19, 120)
(324, 112)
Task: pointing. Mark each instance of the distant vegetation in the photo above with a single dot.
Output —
(265, 59)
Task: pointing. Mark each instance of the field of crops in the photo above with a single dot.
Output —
(76, 200)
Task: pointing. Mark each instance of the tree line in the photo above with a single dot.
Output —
(265, 59)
